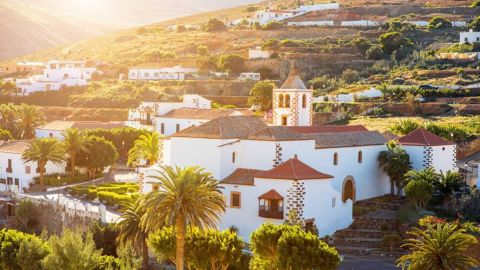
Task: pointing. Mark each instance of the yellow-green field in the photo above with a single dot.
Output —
(470, 123)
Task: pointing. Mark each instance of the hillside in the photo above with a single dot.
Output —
(31, 25)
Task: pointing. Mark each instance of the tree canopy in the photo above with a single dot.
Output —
(261, 95)
(289, 247)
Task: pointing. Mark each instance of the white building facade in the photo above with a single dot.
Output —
(469, 36)
(55, 75)
(292, 102)
(236, 143)
(258, 53)
(176, 73)
(427, 150)
(15, 174)
(143, 115)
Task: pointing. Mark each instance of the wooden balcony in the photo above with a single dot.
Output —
(268, 212)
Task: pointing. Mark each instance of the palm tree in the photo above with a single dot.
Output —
(429, 175)
(448, 183)
(73, 143)
(403, 127)
(186, 197)
(42, 151)
(146, 147)
(130, 231)
(395, 162)
(441, 246)
(30, 117)
(8, 114)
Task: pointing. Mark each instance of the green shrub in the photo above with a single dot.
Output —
(273, 25)
(439, 23)
(390, 240)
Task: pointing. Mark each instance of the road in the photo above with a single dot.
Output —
(367, 263)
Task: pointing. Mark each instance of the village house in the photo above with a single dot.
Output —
(258, 53)
(15, 174)
(265, 16)
(427, 150)
(158, 73)
(55, 128)
(55, 75)
(249, 76)
(469, 37)
(142, 116)
(268, 172)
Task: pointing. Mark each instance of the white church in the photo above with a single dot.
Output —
(266, 171)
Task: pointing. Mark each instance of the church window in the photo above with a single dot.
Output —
(287, 101)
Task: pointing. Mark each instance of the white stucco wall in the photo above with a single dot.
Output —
(469, 36)
(327, 218)
(416, 156)
(444, 158)
(170, 124)
(48, 133)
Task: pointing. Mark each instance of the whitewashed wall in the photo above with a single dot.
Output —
(328, 217)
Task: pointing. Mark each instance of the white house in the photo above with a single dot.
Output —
(15, 174)
(55, 75)
(249, 76)
(469, 36)
(261, 196)
(427, 150)
(258, 53)
(55, 128)
(142, 116)
(292, 102)
(265, 16)
(155, 73)
(317, 7)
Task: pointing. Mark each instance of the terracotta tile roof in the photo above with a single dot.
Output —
(241, 177)
(293, 81)
(231, 127)
(293, 169)
(272, 194)
(347, 139)
(421, 137)
(81, 125)
(204, 114)
(390, 136)
(329, 129)
(276, 133)
(17, 147)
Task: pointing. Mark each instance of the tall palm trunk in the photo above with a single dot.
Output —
(392, 187)
(72, 164)
(41, 176)
(145, 255)
(180, 232)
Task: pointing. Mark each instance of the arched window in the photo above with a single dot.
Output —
(360, 156)
(304, 101)
(234, 156)
(280, 101)
(287, 101)
(335, 159)
(348, 190)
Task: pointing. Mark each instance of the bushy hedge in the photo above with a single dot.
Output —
(111, 194)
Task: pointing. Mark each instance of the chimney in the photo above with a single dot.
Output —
(295, 156)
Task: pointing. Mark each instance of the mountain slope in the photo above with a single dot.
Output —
(31, 25)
